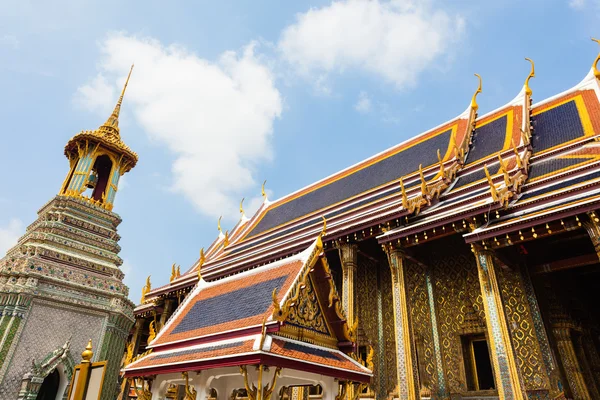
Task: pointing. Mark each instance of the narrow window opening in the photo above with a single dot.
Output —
(478, 364)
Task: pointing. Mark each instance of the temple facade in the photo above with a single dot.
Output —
(61, 285)
(460, 264)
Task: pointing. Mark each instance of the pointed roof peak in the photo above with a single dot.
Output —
(111, 126)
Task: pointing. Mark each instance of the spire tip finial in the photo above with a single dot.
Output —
(528, 90)
(262, 192)
(474, 104)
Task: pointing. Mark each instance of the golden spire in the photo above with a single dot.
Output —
(242, 206)
(226, 240)
(528, 91)
(87, 354)
(111, 126)
(262, 191)
(474, 105)
(595, 66)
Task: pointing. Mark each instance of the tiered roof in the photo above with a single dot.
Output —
(257, 317)
(519, 165)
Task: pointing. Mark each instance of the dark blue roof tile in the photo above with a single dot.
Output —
(488, 139)
(555, 126)
(232, 306)
(372, 176)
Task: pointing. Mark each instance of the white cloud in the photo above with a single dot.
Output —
(395, 40)
(577, 4)
(363, 105)
(9, 235)
(97, 95)
(9, 41)
(216, 117)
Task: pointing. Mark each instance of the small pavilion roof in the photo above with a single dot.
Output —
(275, 351)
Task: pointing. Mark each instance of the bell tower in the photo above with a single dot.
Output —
(61, 284)
(97, 160)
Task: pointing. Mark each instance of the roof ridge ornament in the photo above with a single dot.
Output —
(201, 263)
(474, 105)
(595, 65)
(242, 206)
(219, 225)
(262, 190)
(528, 90)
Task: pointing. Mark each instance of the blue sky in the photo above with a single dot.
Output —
(226, 94)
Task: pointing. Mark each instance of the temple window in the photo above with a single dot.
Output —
(478, 364)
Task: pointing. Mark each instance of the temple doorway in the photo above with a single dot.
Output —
(49, 388)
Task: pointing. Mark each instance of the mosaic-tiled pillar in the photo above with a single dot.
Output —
(541, 335)
(503, 358)
(136, 339)
(15, 310)
(524, 339)
(113, 345)
(349, 260)
(167, 311)
(442, 387)
(568, 357)
(407, 381)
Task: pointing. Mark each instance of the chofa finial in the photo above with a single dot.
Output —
(219, 225)
(528, 91)
(595, 66)
(474, 105)
(262, 191)
(242, 206)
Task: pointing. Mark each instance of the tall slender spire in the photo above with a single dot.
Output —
(111, 126)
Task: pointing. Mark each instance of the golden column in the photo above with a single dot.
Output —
(349, 259)
(570, 362)
(407, 382)
(503, 358)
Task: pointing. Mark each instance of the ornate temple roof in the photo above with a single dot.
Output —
(519, 161)
(259, 315)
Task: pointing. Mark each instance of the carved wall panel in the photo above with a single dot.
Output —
(421, 328)
(460, 308)
(522, 331)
